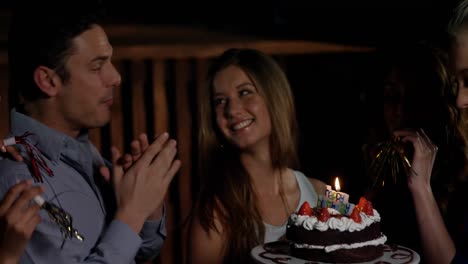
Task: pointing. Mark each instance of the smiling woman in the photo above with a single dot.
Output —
(248, 159)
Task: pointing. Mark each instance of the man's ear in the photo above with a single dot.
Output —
(47, 80)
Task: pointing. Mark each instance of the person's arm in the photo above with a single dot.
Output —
(206, 247)
(117, 244)
(139, 191)
(438, 246)
(154, 231)
(153, 235)
(17, 223)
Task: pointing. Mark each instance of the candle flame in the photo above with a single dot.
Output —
(337, 184)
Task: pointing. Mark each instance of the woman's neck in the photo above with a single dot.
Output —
(265, 178)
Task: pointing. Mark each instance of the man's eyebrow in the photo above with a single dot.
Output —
(100, 58)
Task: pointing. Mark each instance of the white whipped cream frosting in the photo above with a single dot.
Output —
(342, 224)
(375, 242)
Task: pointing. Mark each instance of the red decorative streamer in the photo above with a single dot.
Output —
(35, 155)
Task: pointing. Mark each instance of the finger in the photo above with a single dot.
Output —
(171, 172)
(135, 149)
(29, 213)
(427, 140)
(153, 150)
(32, 220)
(14, 153)
(431, 147)
(425, 147)
(12, 194)
(105, 173)
(27, 195)
(127, 162)
(404, 132)
(17, 208)
(144, 143)
(406, 135)
(117, 169)
(31, 224)
(165, 158)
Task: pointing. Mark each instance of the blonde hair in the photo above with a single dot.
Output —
(226, 188)
(459, 19)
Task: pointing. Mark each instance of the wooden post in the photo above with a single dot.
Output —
(184, 137)
(138, 97)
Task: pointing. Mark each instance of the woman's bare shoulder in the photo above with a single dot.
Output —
(318, 185)
(206, 244)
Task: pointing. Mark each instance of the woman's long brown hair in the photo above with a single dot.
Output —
(226, 187)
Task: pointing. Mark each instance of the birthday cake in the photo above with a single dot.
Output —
(329, 235)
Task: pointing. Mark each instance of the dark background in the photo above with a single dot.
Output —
(356, 22)
(351, 22)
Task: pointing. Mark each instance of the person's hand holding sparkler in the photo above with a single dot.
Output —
(423, 157)
(18, 220)
(63, 219)
(6, 147)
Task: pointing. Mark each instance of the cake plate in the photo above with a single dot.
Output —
(278, 253)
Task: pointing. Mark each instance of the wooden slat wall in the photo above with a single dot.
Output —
(174, 74)
(4, 112)
(184, 134)
(160, 101)
(138, 77)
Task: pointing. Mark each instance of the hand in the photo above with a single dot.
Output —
(137, 147)
(18, 219)
(423, 158)
(10, 150)
(140, 190)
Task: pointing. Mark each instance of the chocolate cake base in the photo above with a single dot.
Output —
(363, 254)
(333, 237)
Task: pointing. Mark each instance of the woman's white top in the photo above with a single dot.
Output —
(308, 193)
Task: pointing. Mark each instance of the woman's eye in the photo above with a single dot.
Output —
(219, 101)
(245, 92)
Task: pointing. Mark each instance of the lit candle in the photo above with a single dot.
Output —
(340, 196)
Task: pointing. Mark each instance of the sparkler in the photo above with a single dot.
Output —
(389, 162)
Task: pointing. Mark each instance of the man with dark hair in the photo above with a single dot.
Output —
(63, 80)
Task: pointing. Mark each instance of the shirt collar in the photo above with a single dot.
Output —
(48, 140)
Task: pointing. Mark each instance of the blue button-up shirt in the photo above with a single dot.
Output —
(76, 187)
